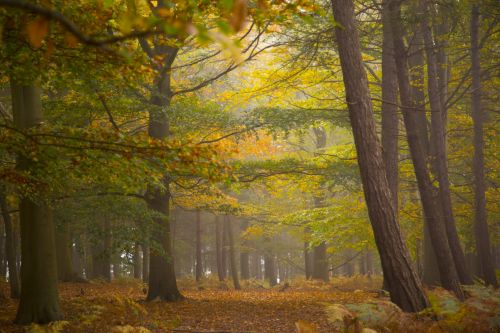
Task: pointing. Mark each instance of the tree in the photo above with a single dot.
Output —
(480, 217)
(404, 286)
(10, 250)
(428, 194)
(199, 267)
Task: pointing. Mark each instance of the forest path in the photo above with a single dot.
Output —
(105, 307)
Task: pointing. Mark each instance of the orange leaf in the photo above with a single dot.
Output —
(238, 15)
(37, 30)
(70, 40)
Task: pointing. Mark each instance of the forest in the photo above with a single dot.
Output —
(249, 166)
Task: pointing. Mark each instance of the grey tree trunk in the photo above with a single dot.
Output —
(145, 262)
(64, 256)
(244, 256)
(39, 301)
(403, 283)
(428, 194)
(480, 217)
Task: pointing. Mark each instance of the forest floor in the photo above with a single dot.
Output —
(214, 307)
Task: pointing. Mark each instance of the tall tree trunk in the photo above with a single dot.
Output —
(440, 157)
(3, 256)
(224, 249)
(145, 261)
(39, 301)
(416, 71)
(403, 283)
(390, 123)
(480, 217)
(244, 256)
(307, 255)
(162, 281)
(428, 194)
(218, 247)
(137, 261)
(63, 250)
(232, 253)
(199, 267)
(10, 249)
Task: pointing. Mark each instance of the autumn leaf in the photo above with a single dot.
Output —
(70, 40)
(238, 15)
(37, 30)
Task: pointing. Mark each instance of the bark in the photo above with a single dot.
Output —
(218, 247)
(428, 194)
(224, 249)
(232, 253)
(10, 249)
(403, 283)
(137, 261)
(480, 217)
(440, 158)
(416, 62)
(39, 301)
(390, 126)
(199, 265)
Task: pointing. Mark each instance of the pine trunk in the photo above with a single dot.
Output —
(403, 283)
(480, 217)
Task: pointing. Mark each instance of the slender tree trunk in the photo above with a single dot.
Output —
(439, 142)
(416, 71)
(218, 247)
(39, 301)
(224, 249)
(3, 256)
(137, 261)
(320, 266)
(145, 262)
(307, 255)
(480, 216)
(244, 256)
(403, 283)
(10, 249)
(428, 194)
(232, 253)
(199, 267)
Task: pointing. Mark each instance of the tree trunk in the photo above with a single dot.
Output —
(244, 256)
(480, 217)
(307, 255)
(224, 249)
(65, 270)
(39, 301)
(3, 256)
(218, 247)
(232, 253)
(440, 157)
(10, 249)
(428, 194)
(270, 269)
(145, 262)
(199, 267)
(320, 265)
(403, 283)
(101, 254)
(137, 261)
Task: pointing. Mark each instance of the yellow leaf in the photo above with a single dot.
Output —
(37, 30)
